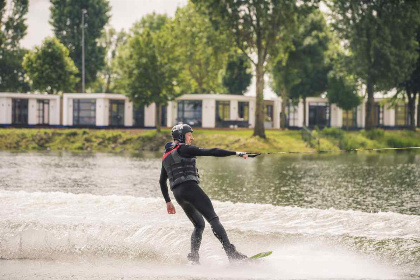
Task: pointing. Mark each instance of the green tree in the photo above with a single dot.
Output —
(381, 37)
(342, 86)
(412, 88)
(283, 78)
(12, 30)
(2, 10)
(49, 68)
(303, 73)
(153, 22)
(237, 77)
(66, 19)
(202, 50)
(146, 70)
(111, 40)
(256, 26)
(12, 74)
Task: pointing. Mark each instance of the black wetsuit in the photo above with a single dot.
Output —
(194, 201)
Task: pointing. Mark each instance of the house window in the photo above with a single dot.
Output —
(319, 114)
(269, 113)
(19, 111)
(138, 116)
(190, 112)
(116, 112)
(378, 114)
(163, 115)
(292, 115)
(350, 118)
(84, 112)
(243, 110)
(43, 108)
(222, 111)
(401, 115)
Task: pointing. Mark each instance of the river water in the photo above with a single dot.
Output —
(102, 216)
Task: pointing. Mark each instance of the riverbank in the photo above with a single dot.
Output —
(135, 140)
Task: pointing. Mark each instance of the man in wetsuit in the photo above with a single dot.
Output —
(178, 165)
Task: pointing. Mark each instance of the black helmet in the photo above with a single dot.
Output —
(178, 132)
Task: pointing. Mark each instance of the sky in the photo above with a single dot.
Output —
(123, 14)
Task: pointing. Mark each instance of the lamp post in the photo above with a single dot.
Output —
(84, 11)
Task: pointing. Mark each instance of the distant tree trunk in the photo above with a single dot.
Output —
(418, 112)
(108, 83)
(412, 109)
(347, 120)
(79, 88)
(283, 109)
(158, 115)
(370, 107)
(304, 111)
(259, 111)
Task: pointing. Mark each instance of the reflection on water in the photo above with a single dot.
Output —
(365, 182)
(370, 183)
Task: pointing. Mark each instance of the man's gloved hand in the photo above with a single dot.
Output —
(242, 154)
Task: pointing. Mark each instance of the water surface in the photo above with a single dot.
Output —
(102, 216)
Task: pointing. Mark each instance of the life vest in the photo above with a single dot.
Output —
(179, 169)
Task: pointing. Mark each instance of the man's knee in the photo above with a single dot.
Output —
(214, 221)
(200, 226)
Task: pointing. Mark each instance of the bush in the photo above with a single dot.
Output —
(78, 146)
(114, 138)
(333, 132)
(398, 142)
(374, 134)
(71, 133)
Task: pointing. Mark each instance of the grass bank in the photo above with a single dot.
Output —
(96, 140)
(376, 138)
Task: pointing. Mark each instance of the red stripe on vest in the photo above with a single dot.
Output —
(167, 154)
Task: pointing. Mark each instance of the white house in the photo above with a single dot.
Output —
(221, 110)
(198, 110)
(29, 109)
(319, 112)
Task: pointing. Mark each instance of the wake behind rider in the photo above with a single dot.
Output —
(179, 166)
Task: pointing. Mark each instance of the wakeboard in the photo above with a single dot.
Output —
(260, 255)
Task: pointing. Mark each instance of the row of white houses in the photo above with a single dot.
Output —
(198, 110)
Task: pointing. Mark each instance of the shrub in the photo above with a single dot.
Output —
(78, 146)
(333, 132)
(398, 142)
(71, 133)
(374, 134)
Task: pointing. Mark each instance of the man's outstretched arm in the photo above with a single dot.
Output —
(194, 151)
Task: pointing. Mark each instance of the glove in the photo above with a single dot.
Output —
(240, 154)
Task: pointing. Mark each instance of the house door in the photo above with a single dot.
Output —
(43, 111)
(319, 115)
(116, 113)
(138, 116)
(20, 111)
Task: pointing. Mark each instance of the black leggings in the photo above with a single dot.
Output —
(196, 204)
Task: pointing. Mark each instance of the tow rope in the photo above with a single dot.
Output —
(251, 155)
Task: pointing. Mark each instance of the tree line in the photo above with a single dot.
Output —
(347, 50)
